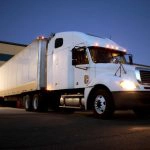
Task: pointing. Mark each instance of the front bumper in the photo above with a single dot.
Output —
(131, 100)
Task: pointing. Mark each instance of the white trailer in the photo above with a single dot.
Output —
(76, 70)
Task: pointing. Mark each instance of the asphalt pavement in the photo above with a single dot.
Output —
(21, 130)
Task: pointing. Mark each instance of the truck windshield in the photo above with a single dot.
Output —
(105, 55)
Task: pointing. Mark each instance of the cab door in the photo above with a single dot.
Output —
(80, 61)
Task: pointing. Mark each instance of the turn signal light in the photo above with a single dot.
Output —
(40, 37)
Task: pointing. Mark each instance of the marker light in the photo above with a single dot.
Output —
(96, 44)
(124, 50)
(112, 46)
(128, 85)
(40, 37)
(49, 88)
(116, 47)
(107, 46)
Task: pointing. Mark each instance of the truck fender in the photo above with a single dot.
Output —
(89, 92)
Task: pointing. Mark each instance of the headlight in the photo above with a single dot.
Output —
(128, 85)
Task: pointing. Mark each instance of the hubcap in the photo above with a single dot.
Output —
(100, 104)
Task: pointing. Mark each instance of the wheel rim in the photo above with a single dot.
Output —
(100, 104)
(35, 103)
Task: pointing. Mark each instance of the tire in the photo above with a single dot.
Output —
(27, 103)
(38, 103)
(103, 106)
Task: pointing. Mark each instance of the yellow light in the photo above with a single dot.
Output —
(112, 46)
(49, 88)
(128, 85)
(40, 37)
(96, 44)
(124, 50)
(107, 46)
(116, 47)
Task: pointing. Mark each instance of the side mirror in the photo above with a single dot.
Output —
(131, 59)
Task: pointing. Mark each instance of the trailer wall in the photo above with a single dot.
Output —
(21, 74)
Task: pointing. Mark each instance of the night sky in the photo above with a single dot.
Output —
(127, 22)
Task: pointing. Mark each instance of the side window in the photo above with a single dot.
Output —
(80, 56)
(58, 42)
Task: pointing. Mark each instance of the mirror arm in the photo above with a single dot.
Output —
(85, 68)
(130, 58)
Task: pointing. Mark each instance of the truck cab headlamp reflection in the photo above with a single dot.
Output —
(128, 85)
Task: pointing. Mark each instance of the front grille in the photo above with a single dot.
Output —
(145, 76)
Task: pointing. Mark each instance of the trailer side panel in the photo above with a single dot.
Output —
(21, 73)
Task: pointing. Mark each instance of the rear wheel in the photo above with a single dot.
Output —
(27, 102)
(103, 104)
(39, 103)
(36, 103)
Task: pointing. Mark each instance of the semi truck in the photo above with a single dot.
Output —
(74, 70)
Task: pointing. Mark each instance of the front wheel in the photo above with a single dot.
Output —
(103, 104)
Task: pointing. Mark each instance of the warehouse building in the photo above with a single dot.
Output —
(8, 50)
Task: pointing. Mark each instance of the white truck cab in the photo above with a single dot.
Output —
(98, 68)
